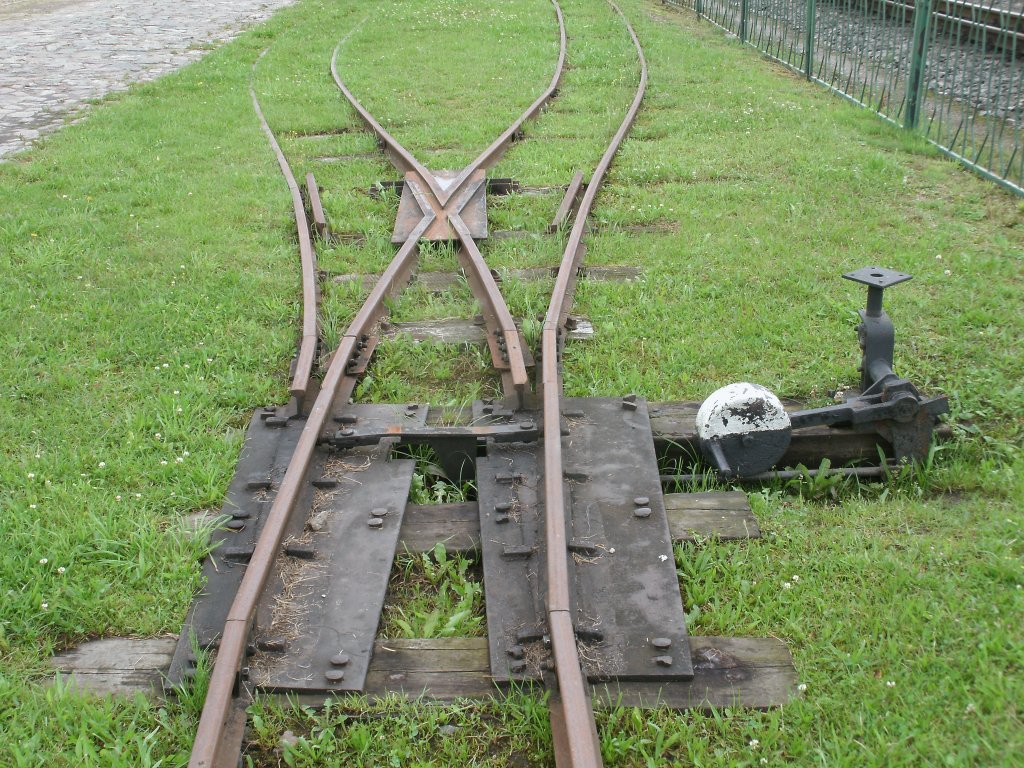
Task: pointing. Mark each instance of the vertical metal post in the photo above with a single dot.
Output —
(918, 56)
(698, 6)
(743, 21)
(812, 8)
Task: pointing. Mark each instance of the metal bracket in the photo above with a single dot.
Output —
(875, 332)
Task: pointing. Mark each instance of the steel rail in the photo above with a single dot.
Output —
(404, 160)
(498, 319)
(572, 720)
(211, 748)
(307, 257)
(959, 15)
(208, 747)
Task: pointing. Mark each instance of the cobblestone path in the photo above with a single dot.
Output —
(57, 54)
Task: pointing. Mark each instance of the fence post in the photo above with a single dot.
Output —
(812, 7)
(918, 56)
(743, 21)
(698, 6)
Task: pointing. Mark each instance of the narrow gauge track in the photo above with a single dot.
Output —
(220, 731)
(310, 339)
(1000, 28)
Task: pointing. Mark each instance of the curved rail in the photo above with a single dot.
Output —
(572, 720)
(217, 735)
(307, 257)
(446, 201)
(404, 160)
(208, 744)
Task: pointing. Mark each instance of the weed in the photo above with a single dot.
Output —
(434, 595)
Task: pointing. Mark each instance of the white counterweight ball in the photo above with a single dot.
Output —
(748, 424)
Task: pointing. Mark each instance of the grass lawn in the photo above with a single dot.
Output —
(150, 293)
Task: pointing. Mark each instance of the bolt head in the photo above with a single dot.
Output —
(375, 522)
(662, 643)
(340, 660)
(335, 675)
(642, 512)
(641, 501)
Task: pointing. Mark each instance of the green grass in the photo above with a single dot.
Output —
(150, 298)
(434, 595)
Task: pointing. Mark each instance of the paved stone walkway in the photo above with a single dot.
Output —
(57, 54)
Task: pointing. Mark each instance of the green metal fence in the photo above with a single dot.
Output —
(953, 69)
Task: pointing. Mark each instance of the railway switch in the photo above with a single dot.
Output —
(743, 429)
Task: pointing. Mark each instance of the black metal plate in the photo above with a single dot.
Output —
(509, 491)
(626, 586)
(269, 445)
(332, 591)
(473, 214)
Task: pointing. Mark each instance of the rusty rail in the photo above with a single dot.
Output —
(572, 721)
(446, 203)
(219, 733)
(209, 749)
(310, 290)
(405, 162)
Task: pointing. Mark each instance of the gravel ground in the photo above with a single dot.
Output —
(868, 57)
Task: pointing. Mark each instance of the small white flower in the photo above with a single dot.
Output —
(157, 435)
(138, 495)
(786, 585)
(185, 453)
(39, 456)
(31, 506)
(117, 498)
(31, 475)
(802, 687)
(61, 569)
(202, 378)
(209, 359)
(890, 683)
(102, 464)
(179, 460)
(165, 365)
(185, 366)
(177, 410)
(948, 272)
(754, 743)
(177, 392)
(163, 463)
(43, 561)
(44, 606)
(938, 257)
(764, 761)
(795, 579)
